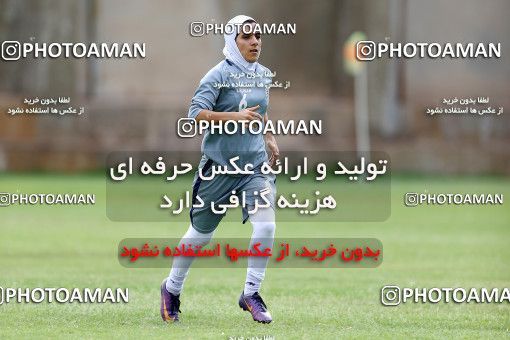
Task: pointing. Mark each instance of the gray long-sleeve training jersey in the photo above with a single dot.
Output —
(225, 88)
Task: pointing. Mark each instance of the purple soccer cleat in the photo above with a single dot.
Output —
(169, 304)
(256, 306)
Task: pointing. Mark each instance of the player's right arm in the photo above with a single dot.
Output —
(247, 114)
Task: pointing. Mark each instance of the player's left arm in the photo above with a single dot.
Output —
(271, 144)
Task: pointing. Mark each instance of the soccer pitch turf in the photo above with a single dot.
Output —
(425, 246)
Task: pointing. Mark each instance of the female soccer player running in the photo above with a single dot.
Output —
(220, 103)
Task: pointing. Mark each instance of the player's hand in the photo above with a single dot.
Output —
(249, 114)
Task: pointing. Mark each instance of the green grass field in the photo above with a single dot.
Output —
(435, 246)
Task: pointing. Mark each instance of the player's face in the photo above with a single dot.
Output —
(249, 44)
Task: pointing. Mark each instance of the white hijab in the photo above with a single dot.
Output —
(231, 51)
